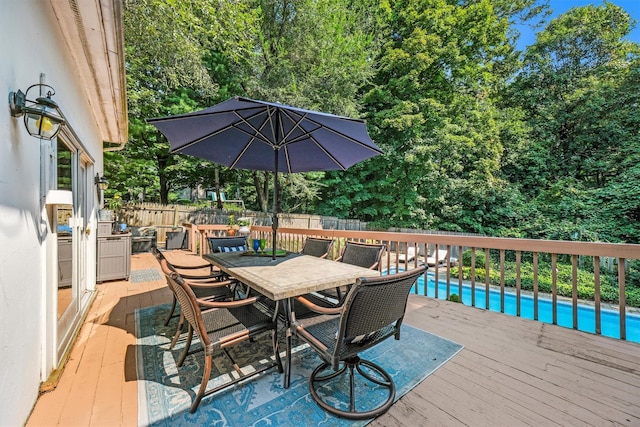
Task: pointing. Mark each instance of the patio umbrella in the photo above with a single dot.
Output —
(243, 133)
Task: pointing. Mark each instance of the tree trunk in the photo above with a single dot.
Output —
(164, 182)
(261, 183)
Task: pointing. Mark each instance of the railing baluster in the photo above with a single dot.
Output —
(574, 289)
(554, 289)
(518, 283)
(448, 268)
(473, 274)
(623, 301)
(501, 280)
(487, 278)
(535, 286)
(596, 296)
(425, 247)
(459, 270)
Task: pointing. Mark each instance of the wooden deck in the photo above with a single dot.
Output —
(511, 372)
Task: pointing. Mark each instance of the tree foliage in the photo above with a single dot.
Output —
(576, 90)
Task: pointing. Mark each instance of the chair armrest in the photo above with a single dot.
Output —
(209, 284)
(227, 304)
(213, 276)
(191, 267)
(318, 309)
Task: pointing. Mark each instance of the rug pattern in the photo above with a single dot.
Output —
(145, 275)
(165, 392)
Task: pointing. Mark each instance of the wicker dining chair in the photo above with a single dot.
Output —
(316, 246)
(209, 285)
(220, 325)
(367, 255)
(227, 244)
(372, 311)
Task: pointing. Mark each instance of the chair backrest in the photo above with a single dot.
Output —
(365, 255)
(160, 257)
(227, 244)
(374, 308)
(156, 253)
(188, 304)
(317, 247)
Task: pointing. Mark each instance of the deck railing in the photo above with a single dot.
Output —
(507, 262)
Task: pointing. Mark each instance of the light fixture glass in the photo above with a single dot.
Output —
(101, 182)
(42, 117)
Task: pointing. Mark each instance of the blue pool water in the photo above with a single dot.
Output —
(610, 320)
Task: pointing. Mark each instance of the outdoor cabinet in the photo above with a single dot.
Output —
(114, 254)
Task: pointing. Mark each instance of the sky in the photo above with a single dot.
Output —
(632, 7)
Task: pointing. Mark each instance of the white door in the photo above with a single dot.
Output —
(71, 173)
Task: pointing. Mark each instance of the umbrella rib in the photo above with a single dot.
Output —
(321, 126)
(254, 136)
(232, 125)
(331, 156)
(188, 116)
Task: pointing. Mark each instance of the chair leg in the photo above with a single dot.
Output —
(203, 385)
(173, 307)
(276, 349)
(186, 347)
(178, 332)
(381, 378)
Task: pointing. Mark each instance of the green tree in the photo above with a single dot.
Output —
(432, 109)
(577, 90)
(175, 54)
(315, 55)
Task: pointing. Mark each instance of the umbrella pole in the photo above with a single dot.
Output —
(274, 219)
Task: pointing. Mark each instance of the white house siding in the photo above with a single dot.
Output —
(31, 43)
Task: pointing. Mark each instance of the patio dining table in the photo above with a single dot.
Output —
(287, 277)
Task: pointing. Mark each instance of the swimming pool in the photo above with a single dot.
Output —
(609, 319)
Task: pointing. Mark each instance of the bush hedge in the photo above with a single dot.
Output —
(585, 284)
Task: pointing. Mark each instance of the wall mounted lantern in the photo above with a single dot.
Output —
(101, 182)
(42, 117)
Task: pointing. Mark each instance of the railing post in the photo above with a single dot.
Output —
(622, 302)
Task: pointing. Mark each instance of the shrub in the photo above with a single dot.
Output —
(564, 286)
(480, 258)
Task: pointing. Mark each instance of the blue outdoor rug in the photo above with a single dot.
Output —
(165, 392)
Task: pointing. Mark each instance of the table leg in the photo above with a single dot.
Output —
(287, 368)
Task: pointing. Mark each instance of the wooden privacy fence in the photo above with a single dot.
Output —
(150, 214)
(491, 264)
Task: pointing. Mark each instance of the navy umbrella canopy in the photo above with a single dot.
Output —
(244, 133)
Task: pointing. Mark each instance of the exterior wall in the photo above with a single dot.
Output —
(31, 44)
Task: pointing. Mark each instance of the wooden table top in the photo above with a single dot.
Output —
(288, 276)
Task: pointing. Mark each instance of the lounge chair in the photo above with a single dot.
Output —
(440, 257)
(409, 255)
